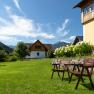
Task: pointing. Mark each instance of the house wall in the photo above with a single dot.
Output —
(34, 54)
(88, 32)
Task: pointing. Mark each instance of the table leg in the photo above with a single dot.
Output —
(79, 78)
(90, 78)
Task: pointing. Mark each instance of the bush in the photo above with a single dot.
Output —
(51, 54)
(57, 52)
(3, 55)
(83, 48)
(80, 49)
(12, 58)
(69, 51)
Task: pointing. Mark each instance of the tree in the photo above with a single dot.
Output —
(3, 55)
(51, 54)
(1, 48)
(21, 50)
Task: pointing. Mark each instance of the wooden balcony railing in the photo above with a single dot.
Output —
(87, 17)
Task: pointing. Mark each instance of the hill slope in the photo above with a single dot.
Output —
(5, 47)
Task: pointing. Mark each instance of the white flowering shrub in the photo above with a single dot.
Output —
(81, 49)
(65, 51)
(69, 51)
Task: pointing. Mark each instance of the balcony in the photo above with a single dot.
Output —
(87, 17)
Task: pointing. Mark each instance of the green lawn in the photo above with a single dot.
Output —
(34, 77)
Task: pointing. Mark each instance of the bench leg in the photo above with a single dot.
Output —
(69, 75)
(58, 74)
(77, 83)
(82, 79)
(91, 81)
(63, 75)
(90, 78)
(52, 75)
(70, 78)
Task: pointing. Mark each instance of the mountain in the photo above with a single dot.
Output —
(60, 44)
(56, 45)
(11, 46)
(5, 47)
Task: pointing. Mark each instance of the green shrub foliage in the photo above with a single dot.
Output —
(80, 49)
(21, 50)
(83, 48)
(12, 58)
(50, 54)
(3, 55)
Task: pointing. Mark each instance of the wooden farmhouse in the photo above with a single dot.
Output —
(87, 19)
(38, 49)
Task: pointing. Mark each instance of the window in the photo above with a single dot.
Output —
(38, 54)
(92, 6)
(38, 47)
(88, 9)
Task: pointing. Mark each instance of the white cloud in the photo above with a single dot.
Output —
(8, 9)
(17, 4)
(62, 29)
(19, 26)
(4, 38)
(72, 38)
(3, 21)
(66, 32)
(23, 27)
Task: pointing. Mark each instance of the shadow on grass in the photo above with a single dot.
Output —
(67, 79)
(2, 65)
(88, 86)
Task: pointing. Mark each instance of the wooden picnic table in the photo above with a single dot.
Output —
(58, 67)
(78, 70)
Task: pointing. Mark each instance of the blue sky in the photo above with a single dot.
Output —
(46, 20)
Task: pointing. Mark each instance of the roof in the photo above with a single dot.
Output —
(78, 39)
(47, 46)
(82, 3)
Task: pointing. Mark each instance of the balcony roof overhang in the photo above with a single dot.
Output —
(83, 3)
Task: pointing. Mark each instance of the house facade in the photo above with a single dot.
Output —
(87, 19)
(38, 50)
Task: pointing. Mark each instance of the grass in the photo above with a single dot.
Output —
(34, 77)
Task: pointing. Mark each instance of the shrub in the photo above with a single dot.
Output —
(3, 55)
(57, 52)
(80, 49)
(83, 48)
(51, 54)
(69, 51)
(12, 58)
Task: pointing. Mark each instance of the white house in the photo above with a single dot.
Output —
(38, 49)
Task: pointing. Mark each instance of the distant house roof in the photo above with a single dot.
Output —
(82, 3)
(78, 39)
(47, 46)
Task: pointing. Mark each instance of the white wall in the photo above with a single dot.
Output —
(33, 54)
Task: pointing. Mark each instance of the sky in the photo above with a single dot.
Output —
(49, 21)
